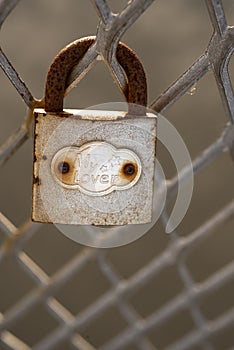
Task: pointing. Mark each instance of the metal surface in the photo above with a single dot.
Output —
(135, 90)
(88, 152)
(86, 158)
(96, 168)
(139, 328)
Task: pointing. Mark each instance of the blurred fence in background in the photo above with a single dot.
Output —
(162, 292)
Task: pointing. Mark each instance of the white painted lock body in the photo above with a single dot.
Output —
(93, 167)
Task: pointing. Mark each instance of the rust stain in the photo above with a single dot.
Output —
(36, 180)
(135, 92)
(128, 171)
(65, 170)
(59, 71)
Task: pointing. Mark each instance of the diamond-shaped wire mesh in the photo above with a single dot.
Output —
(163, 291)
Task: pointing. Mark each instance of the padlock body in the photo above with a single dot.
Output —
(93, 167)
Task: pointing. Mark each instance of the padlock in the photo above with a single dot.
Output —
(94, 167)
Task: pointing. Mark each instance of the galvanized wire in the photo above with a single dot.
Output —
(216, 59)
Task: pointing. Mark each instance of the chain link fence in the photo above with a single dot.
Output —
(163, 291)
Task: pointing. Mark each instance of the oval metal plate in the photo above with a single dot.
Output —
(96, 168)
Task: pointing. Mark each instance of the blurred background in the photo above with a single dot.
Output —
(168, 38)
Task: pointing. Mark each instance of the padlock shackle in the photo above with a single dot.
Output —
(69, 57)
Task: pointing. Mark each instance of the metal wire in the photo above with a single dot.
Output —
(216, 59)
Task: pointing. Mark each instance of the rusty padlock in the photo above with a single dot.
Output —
(94, 167)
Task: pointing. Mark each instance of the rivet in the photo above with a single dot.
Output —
(129, 169)
(63, 167)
